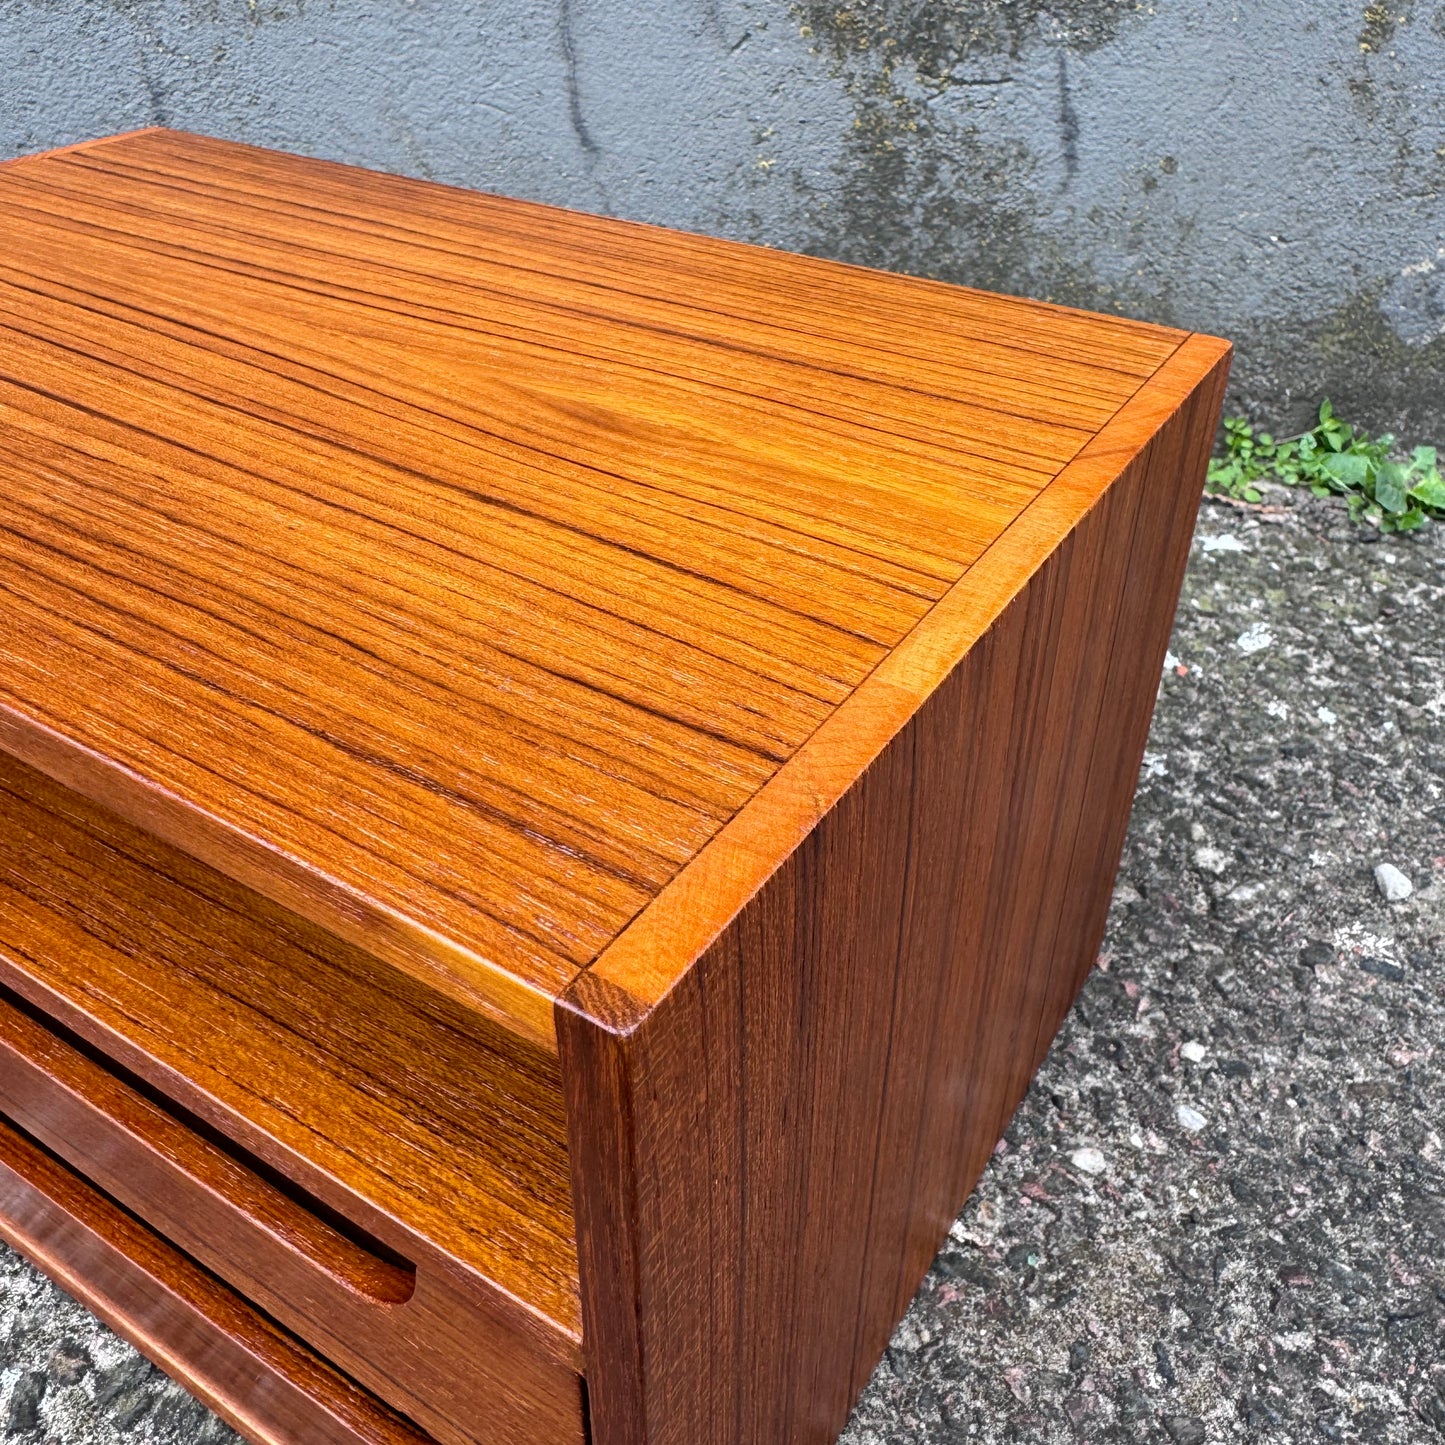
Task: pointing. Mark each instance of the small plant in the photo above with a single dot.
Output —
(1334, 458)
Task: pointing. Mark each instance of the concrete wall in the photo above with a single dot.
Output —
(1272, 170)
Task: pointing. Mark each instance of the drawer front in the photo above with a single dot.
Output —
(266, 1384)
(420, 1341)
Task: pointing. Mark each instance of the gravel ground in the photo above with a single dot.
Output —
(1220, 1213)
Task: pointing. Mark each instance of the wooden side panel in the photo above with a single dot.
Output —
(766, 1160)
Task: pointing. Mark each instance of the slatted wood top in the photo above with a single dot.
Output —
(453, 569)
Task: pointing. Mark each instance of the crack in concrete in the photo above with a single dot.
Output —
(1068, 122)
(576, 112)
(574, 85)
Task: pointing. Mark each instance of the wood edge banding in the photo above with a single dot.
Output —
(83, 145)
(661, 945)
(392, 937)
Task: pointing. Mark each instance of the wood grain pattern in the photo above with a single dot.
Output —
(451, 570)
(649, 956)
(431, 1130)
(202, 1196)
(252, 1374)
(388, 1102)
(771, 1139)
(556, 781)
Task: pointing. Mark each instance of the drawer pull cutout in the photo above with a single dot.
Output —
(202, 1191)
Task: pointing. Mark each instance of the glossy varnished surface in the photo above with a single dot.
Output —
(453, 570)
(769, 1151)
(253, 1374)
(391, 1104)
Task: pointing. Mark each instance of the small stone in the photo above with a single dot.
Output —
(1079, 1356)
(25, 1401)
(1088, 1161)
(132, 1411)
(1165, 1364)
(1023, 1256)
(1126, 895)
(1328, 716)
(1247, 892)
(1224, 542)
(1317, 954)
(1383, 968)
(1255, 638)
(1211, 860)
(1133, 1404)
(69, 1363)
(1392, 884)
(1184, 1429)
(1191, 1119)
(1194, 1051)
(128, 1376)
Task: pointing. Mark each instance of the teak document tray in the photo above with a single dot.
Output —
(556, 781)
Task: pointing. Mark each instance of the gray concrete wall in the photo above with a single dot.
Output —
(1272, 170)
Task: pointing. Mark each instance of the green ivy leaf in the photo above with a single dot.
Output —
(1390, 486)
(1347, 470)
(1430, 491)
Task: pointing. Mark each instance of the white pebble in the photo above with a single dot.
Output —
(1255, 638)
(1191, 1119)
(1211, 860)
(1392, 883)
(1194, 1051)
(1328, 716)
(1088, 1161)
(1224, 542)
(1247, 892)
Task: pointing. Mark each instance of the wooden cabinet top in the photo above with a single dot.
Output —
(504, 589)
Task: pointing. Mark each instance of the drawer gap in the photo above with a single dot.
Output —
(411, 1130)
(144, 1112)
(374, 1421)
